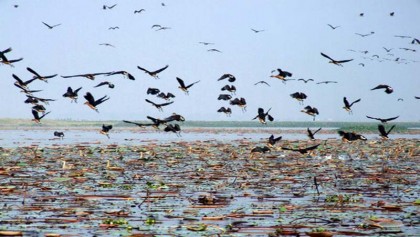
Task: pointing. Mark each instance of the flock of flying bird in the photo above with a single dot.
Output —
(39, 111)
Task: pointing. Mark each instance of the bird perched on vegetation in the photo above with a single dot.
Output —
(387, 88)
(384, 134)
(153, 73)
(261, 116)
(37, 118)
(72, 94)
(231, 89)
(299, 96)
(184, 87)
(281, 75)
(347, 105)
(105, 130)
(311, 134)
(273, 140)
(166, 96)
(92, 103)
(173, 128)
(224, 97)
(59, 134)
(37, 76)
(239, 102)
(383, 120)
(110, 85)
(230, 77)
(159, 106)
(312, 111)
(351, 136)
(336, 62)
(227, 111)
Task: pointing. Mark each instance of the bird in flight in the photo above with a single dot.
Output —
(153, 73)
(92, 103)
(351, 136)
(392, 13)
(231, 78)
(281, 75)
(173, 128)
(415, 41)
(224, 97)
(22, 84)
(387, 88)
(262, 82)
(383, 120)
(6, 61)
(305, 81)
(408, 49)
(105, 130)
(214, 50)
(39, 108)
(159, 106)
(333, 27)
(257, 31)
(387, 50)
(90, 76)
(262, 115)
(361, 14)
(364, 35)
(153, 91)
(239, 102)
(106, 44)
(299, 96)
(336, 62)
(166, 96)
(205, 43)
(108, 7)
(110, 85)
(139, 11)
(326, 82)
(259, 149)
(417, 97)
(273, 140)
(311, 134)
(301, 150)
(231, 89)
(49, 26)
(37, 118)
(184, 87)
(124, 73)
(35, 100)
(26, 90)
(174, 117)
(402, 36)
(114, 28)
(312, 111)
(384, 134)
(141, 124)
(72, 94)
(347, 105)
(37, 76)
(227, 111)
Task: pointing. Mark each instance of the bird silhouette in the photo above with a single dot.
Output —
(114, 28)
(311, 134)
(49, 26)
(140, 124)
(72, 94)
(224, 97)
(262, 82)
(37, 118)
(230, 88)
(22, 84)
(336, 62)
(230, 77)
(159, 106)
(364, 35)
(351, 136)
(39, 108)
(326, 82)
(227, 111)
(153, 73)
(305, 81)
(174, 117)
(92, 103)
(299, 96)
(105, 130)
(184, 87)
(37, 76)
(7, 61)
(382, 119)
(90, 76)
(347, 105)
(382, 133)
(333, 27)
(108, 7)
(110, 85)
(139, 11)
(239, 102)
(257, 31)
(214, 50)
(124, 73)
(152, 91)
(387, 88)
(173, 128)
(262, 116)
(312, 111)
(37, 99)
(166, 96)
(273, 140)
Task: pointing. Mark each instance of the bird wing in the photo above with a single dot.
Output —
(47, 25)
(35, 114)
(193, 84)
(312, 147)
(379, 87)
(17, 79)
(102, 83)
(356, 101)
(382, 131)
(159, 70)
(373, 118)
(78, 89)
(89, 97)
(165, 104)
(319, 129)
(345, 61)
(224, 76)
(33, 72)
(181, 82)
(389, 119)
(151, 102)
(270, 118)
(289, 149)
(346, 103)
(170, 95)
(393, 126)
(145, 70)
(324, 55)
(101, 100)
(227, 87)
(69, 90)
(310, 132)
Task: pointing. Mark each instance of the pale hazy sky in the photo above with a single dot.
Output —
(295, 32)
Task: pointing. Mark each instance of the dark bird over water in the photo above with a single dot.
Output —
(49, 26)
(105, 130)
(227, 111)
(39, 108)
(92, 103)
(159, 106)
(37, 118)
(173, 128)
(347, 105)
(351, 136)
(184, 87)
(230, 77)
(312, 111)
(174, 117)
(301, 150)
(72, 94)
(384, 134)
(37, 76)
(262, 82)
(110, 85)
(282, 75)
(262, 115)
(387, 88)
(273, 140)
(153, 73)
(312, 134)
(383, 120)
(336, 62)
(140, 124)
(59, 134)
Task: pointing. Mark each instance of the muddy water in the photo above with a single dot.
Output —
(208, 187)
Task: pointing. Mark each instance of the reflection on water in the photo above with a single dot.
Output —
(16, 138)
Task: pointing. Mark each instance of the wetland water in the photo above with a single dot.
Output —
(205, 183)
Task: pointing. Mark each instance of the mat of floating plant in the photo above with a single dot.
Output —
(211, 188)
